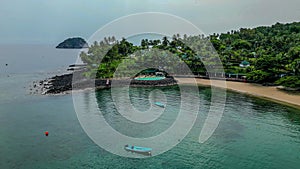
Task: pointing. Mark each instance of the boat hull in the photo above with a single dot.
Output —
(159, 104)
(137, 149)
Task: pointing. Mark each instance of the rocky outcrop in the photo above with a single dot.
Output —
(66, 83)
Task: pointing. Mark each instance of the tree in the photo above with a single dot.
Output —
(258, 76)
(289, 81)
(165, 41)
(273, 52)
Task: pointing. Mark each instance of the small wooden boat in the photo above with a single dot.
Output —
(160, 104)
(137, 149)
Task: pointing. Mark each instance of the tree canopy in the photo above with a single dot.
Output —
(273, 53)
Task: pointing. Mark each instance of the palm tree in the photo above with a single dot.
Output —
(165, 41)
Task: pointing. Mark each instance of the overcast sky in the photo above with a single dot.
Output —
(51, 21)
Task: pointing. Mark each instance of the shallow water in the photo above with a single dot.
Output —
(253, 133)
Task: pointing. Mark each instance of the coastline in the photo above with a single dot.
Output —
(63, 85)
(266, 92)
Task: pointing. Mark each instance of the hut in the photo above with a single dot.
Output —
(244, 64)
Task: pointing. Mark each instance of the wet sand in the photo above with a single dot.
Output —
(271, 93)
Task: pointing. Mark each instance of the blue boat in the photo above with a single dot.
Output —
(137, 149)
(160, 104)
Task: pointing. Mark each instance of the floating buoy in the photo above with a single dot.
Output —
(6, 64)
(46, 133)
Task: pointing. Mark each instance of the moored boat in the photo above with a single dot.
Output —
(137, 149)
(160, 104)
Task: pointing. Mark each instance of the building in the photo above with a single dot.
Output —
(244, 64)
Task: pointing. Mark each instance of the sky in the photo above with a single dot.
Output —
(52, 21)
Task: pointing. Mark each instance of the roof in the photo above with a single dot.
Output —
(151, 70)
(245, 62)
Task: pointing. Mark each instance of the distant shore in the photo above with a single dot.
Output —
(267, 92)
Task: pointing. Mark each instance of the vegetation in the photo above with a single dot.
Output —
(73, 43)
(289, 81)
(273, 53)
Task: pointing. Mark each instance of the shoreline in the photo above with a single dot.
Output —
(59, 85)
(66, 83)
(270, 93)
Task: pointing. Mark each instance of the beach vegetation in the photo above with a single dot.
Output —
(272, 53)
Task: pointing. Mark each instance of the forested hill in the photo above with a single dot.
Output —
(266, 54)
(273, 52)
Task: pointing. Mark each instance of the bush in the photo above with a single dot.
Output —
(289, 81)
(258, 76)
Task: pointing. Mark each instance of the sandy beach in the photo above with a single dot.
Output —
(271, 93)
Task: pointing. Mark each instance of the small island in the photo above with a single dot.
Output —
(73, 43)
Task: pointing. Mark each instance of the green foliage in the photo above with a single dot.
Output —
(271, 51)
(241, 44)
(289, 81)
(258, 76)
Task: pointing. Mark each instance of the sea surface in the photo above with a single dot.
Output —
(253, 133)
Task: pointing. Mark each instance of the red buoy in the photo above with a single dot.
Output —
(46, 133)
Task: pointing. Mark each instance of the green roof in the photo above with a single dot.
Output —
(245, 62)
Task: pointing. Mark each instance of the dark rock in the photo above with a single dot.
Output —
(68, 82)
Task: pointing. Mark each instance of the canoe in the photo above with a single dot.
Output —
(160, 104)
(138, 149)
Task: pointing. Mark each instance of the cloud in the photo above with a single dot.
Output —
(51, 21)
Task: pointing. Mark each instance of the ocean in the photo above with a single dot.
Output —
(253, 133)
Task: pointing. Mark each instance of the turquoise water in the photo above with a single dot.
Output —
(150, 78)
(253, 133)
